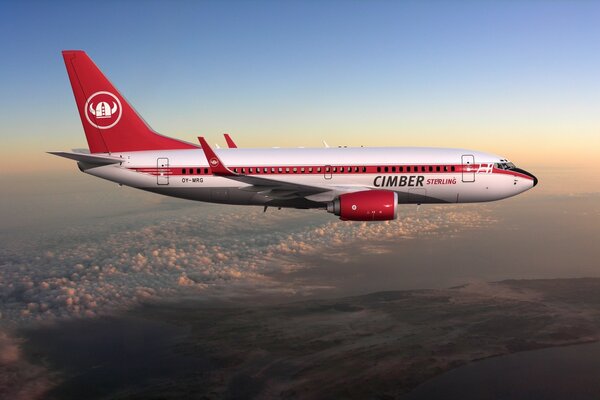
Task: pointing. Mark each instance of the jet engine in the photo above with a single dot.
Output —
(368, 205)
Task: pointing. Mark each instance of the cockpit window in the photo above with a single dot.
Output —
(505, 165)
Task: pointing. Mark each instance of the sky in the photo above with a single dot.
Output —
(519, 79)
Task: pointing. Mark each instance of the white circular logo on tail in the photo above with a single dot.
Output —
(103, 110)
(214, 162)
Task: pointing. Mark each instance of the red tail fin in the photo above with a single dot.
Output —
(109, 122)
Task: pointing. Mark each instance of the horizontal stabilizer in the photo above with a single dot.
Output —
(88, 158)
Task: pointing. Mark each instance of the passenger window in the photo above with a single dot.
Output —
(279, 170)
(341, 169)
(385, 169)
(319, 169)
(437, 168)
(243, 170)
(393, 169)
(408, 168)
(287, 170)
(295, 170)
(302, 169)
(364, 169)
(452, 168)
(310, 170)
(334, 169)
(206, 170)
(197, 170)
(183, 171)
(378, 169)
(445, 168)
(400, 169)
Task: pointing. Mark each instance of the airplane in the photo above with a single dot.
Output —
(353, 183)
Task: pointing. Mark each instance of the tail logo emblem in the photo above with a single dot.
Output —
(103, 110)
(214, 162)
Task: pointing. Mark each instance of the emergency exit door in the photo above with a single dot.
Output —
(468, 168)
(162, 166)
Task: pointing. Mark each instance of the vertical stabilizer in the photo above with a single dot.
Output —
(110, 123)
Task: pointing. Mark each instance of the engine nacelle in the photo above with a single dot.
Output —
(368, 205)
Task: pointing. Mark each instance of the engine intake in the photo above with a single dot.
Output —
(368, 205)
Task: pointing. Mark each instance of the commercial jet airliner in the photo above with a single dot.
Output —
(356, 184)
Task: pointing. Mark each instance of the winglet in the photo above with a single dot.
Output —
(218, 168)
(230, 143)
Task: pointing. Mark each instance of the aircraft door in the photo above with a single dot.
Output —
(162, 167)
(468, 169)
(327, 172)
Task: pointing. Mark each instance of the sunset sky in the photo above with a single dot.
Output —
(520, 79)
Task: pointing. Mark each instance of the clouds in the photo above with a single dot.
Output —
(81, 273)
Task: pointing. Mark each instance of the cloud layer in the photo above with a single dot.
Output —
(80, 273)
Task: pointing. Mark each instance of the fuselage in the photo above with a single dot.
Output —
(418, 175)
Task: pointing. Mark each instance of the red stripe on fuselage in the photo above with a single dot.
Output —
(480, 169)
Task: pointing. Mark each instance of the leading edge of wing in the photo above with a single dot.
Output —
(272, 187)
(286, 190)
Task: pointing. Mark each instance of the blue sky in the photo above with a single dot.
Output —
(497, 76)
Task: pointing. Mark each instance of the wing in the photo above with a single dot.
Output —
(230, 143)
(282, 190)
(274, 188)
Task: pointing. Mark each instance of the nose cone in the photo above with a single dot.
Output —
(522, 171)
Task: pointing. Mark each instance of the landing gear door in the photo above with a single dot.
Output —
(468, 168)
(162, 167)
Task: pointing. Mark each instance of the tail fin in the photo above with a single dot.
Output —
(109, 122)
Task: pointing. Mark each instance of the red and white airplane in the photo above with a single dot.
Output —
(358, 184)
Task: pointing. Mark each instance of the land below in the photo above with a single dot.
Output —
(379, 345)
